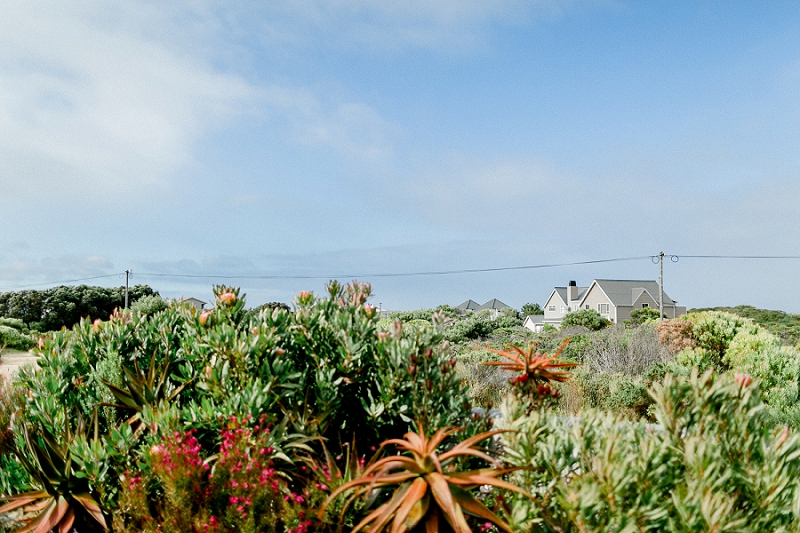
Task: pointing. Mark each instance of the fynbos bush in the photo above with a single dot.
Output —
(712, 463)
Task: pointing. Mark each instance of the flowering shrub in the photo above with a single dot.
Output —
(245, 487)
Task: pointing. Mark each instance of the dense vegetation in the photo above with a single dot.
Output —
(163, 418)
(52, 309)
(784, 325)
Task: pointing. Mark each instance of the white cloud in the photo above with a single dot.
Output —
(90, 99)
(468, 192)
(442, 24)
(352, 128)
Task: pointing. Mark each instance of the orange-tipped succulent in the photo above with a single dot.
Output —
(426, 493)
(535, 365)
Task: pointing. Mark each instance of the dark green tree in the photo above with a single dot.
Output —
(531, 309)
(64, 306)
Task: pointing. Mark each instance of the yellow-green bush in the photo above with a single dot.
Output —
(711, 463)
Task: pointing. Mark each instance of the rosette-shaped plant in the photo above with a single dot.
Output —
(65, 499)
(427, 492)
(535, 370)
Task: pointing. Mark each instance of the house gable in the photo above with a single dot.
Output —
(597, 299)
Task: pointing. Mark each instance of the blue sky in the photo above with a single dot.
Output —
(353, 137)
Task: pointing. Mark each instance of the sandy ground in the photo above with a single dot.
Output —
(11, 360)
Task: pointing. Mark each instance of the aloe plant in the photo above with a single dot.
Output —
(141, 389)
(426, 492)
(535, 371)
(65, 499)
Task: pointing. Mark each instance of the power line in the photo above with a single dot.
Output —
(737, 256)
(61, 282)
(673, 257)
(395, 274)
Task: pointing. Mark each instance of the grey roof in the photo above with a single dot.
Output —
(536, 319)
(494, 303)
(562, 291)
(624, 292)
(469, 305)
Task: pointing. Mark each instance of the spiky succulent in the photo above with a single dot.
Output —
(426, 492)
(142, 389)
(65, 499)
(535, 365)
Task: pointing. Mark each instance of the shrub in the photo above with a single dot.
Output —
(149, 305)
(324, 370)
(588, 318)
(620, 349)
(713, 463)
(642, 316)
(713, 331)
(14, 339)
(676, 334)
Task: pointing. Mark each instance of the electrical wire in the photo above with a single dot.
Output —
(673, 257)
(395, 274)
(61, 282)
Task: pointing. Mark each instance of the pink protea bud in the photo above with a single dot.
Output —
(369, 311)
(204, 317)
(743, 380)
(97, 323)
(157, 449)
(305, 298)
(227, 298)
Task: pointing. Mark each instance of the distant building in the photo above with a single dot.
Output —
(469, 305)
(534, 323)
(613, 299)
(197, 304)
(494, 306)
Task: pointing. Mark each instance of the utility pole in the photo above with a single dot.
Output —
(660, 286)
(127, 275)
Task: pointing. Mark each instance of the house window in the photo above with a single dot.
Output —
(587, 307)
(552, 308)
(645, 305)
(563, 309)
(602, 309)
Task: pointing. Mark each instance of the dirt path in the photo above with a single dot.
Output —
(12, 360)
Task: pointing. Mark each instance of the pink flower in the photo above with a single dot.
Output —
(227, 298)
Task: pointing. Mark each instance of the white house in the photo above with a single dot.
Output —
(613, 299)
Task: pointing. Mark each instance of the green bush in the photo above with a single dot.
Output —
(321, 371)
(587, 318)
(712, 463)
(616, 392)
(642, 316)
(14, 339)
(149, 305)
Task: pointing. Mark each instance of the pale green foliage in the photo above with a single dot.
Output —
(149, 305)
(712, 463)
(729, 342)
(714, 331)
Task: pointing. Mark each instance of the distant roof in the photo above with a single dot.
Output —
(469, 305)
(190, 299)
(494, 303)
(562, 291)
(626, 291)
(534, 319)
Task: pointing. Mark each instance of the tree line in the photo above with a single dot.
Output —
(57, 307)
